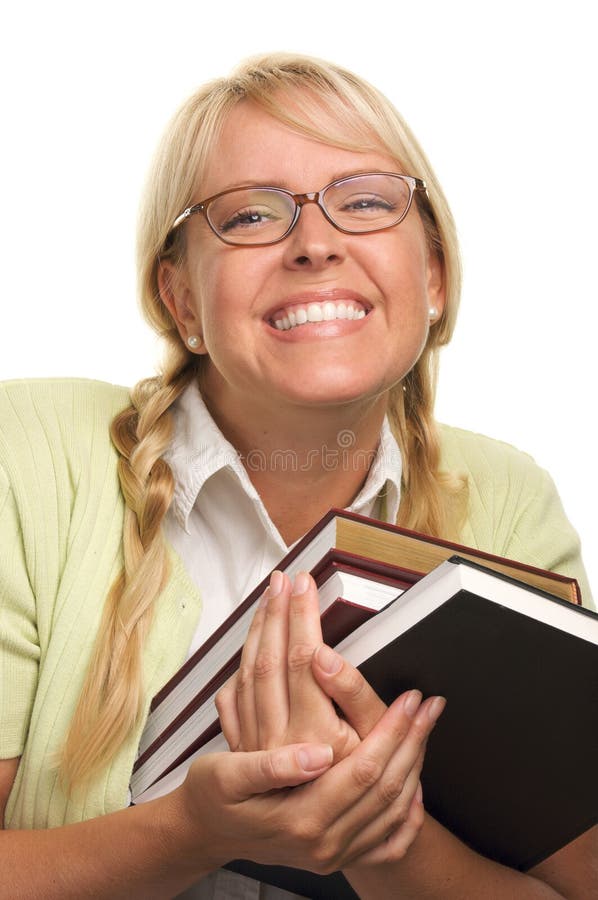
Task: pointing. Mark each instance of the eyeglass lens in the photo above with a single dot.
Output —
(357, 204)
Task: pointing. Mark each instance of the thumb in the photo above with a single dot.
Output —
(266, 770)
(346, 686)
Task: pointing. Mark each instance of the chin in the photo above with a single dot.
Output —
(333, 393)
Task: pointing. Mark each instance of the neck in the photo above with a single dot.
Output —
(303, 461)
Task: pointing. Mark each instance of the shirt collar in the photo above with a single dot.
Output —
(384, 478)
(198, 450)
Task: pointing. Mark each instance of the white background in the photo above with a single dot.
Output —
(502, 99)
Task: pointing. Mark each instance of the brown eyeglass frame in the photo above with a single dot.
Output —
(415, 184)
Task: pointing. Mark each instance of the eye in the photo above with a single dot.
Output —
(254, 217)
(366, 203)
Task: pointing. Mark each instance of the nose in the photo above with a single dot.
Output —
(314, 243)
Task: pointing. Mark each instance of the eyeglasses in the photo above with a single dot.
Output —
(257, 216)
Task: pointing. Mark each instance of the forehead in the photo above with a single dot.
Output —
(255, 148)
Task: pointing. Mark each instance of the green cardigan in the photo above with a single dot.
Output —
(61, 514)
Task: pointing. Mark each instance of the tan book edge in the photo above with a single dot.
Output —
(422, 554)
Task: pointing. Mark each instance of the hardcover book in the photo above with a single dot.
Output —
(181, 714)
(511, 657)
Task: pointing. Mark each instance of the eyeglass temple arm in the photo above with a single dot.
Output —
(191, 210)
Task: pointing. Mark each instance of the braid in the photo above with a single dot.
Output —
(432, 501)
(112, 697)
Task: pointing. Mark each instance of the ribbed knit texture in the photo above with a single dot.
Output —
(61, 514)
(514, 508)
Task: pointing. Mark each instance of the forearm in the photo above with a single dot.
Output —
(230, 806)
(439, 865)
(141, 852)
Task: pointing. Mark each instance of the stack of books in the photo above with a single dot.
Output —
(511, 767)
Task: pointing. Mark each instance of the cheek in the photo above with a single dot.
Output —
(227, 288)
(402, 281)
(399, 259)
(229, 279)
(217, 289)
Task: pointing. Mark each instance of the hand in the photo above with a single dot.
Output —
(237, 805)
(283, 693)
(274, 699)
(362, 708)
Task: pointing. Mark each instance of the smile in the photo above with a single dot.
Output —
(302, 314)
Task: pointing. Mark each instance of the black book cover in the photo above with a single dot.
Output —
(510, 768)
(298, 881)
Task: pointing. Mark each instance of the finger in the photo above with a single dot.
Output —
(356, 787)
(395, 845)
(398, 781)
(399, 841)
(360, 704)
(242, 775)
(305, 634)
(226, 704)
(384, 807)
(390, 809)
(271, 693)
(245, 682)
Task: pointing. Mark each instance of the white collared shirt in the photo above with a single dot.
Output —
(220, 528)
(217, 521)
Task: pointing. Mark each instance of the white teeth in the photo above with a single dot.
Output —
(318, 312)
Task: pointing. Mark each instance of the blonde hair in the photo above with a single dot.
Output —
(330, 105)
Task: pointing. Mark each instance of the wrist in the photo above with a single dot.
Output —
(187, 841)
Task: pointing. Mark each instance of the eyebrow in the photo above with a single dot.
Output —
(273, 183)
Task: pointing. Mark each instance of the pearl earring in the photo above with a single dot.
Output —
(193, 341)
(433, 313)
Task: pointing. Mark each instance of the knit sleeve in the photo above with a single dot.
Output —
(541, 533)
(19, 645)
(514, 509)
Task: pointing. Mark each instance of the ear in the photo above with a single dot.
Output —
(178, 299)
(436, 285)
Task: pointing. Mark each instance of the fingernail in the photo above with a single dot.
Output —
(314, 757)
(301, 583)
(328, 660)
(412, 702)
(276, 583)
(435, 708)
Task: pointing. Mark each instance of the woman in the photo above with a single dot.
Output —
(298, 257)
